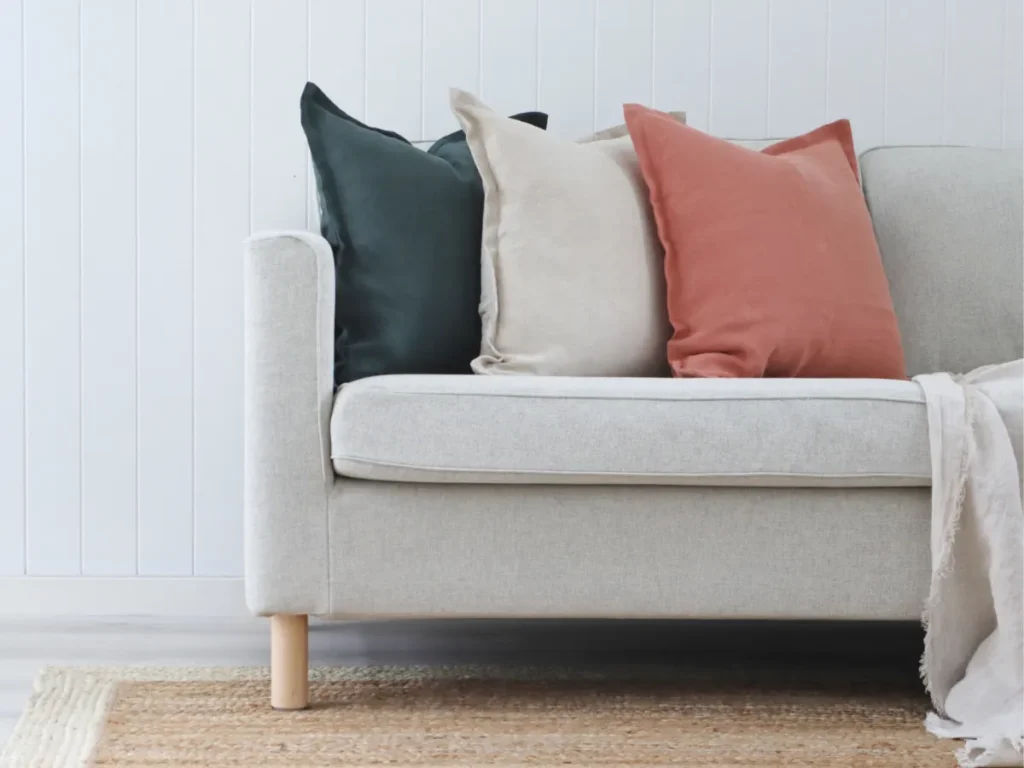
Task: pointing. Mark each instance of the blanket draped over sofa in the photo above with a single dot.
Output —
(973, 661)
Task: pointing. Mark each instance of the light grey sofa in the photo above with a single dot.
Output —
(531, 496)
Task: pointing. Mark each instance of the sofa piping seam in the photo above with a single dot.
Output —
(630, 399)
(588, 473)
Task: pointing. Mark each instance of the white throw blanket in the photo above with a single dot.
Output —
(973, 663)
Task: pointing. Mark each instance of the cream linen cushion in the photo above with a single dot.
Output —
(572, 280)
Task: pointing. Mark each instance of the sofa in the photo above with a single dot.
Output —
(520, 496)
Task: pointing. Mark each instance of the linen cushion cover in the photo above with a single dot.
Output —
(771, 262)
(594, 430)
(571, 265)
(404, 226)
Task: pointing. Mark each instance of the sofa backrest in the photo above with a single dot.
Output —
(949, 225)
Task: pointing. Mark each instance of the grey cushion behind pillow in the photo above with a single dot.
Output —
(405, 227)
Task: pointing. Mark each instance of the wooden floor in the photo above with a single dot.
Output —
(26, 645)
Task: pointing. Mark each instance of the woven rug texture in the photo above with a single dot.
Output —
(220, 717)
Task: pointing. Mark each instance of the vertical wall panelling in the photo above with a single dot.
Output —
(565, 65)
(856, 68)
(798, 66)
(1013, 75)
(508, 54)
(337, 32)
(624, 57)
(739, 68)
(682, 50)
(141, 141)
(108, 288)
(916, 72)
(452, 59)
(164, 264)
(12, 284)
(974, 73)
(52, 288)
(222, 221)
(394, 66)
(280, 34)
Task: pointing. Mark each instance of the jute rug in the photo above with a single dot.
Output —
(140, 718)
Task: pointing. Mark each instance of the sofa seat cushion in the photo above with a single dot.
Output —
(559, 430)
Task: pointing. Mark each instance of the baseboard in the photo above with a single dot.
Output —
(121, 596)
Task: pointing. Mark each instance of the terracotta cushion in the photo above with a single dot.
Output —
(770, 258)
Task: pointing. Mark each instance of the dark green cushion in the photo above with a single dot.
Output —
(405, 227)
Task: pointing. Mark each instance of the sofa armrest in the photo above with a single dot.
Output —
(289, 388)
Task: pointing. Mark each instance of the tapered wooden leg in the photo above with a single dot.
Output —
(289, 661)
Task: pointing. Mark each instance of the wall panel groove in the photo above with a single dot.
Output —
(680, 64)
(144, 139)
(12, 290)
(166, 245)
(52, 200)
(108, 288)
(233, 187)
(12, 293)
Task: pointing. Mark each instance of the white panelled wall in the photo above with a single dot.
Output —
(142, 140)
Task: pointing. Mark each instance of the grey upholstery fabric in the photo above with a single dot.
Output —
(949, 224)
(289, 342)
(562, 550)
(508, 429)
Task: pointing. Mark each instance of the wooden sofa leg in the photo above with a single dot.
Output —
(289, 661)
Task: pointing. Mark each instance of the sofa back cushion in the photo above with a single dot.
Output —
(949, 226)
